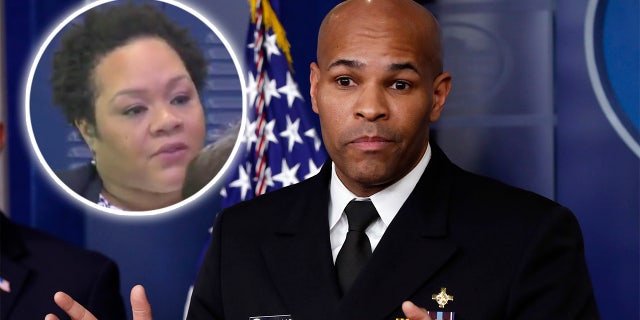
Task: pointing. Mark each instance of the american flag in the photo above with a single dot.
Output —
(281, 144)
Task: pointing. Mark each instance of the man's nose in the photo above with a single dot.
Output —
(372, 103)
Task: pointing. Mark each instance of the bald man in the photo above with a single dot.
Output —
(445, 239)
(444, 242)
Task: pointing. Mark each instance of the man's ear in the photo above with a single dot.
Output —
(88, 132)
(441, 89)
(313, 91)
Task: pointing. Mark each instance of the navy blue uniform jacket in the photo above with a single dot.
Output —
(38, 265)
(501, 252)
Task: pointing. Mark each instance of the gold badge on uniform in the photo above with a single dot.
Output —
(442, 298)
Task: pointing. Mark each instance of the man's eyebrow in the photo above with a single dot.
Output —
(347, 63)
(403, 66)
(359, 65)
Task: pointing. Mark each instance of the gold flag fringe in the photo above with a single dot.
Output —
(270, 21)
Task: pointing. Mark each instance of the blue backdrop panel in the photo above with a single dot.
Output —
(598, 174)
(161, 253)
(492, 123)
(25, 25)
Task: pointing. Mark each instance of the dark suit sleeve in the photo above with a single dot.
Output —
(104, 300)
(552, 281)
(206, 299)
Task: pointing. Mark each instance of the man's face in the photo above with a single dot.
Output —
(373, 88)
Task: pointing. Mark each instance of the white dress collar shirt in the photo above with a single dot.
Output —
(387, 202)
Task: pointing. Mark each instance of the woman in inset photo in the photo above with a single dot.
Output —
(128, 79)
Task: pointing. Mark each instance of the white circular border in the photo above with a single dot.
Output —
(81, 199)
(596, 82)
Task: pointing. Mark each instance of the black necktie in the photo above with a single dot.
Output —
(356, 248)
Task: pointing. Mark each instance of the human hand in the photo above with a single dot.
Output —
(413, 312)
(72, 308)
(140, 307)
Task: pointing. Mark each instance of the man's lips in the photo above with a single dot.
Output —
(370, 139)
(371, 143)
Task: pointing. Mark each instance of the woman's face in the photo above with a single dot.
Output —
(149, 119)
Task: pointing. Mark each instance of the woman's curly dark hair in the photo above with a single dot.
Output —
(103, 30)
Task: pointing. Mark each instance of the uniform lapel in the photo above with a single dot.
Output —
(298, 255)
(413, 248)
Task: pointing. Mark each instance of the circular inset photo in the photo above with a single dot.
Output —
(133, 107)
